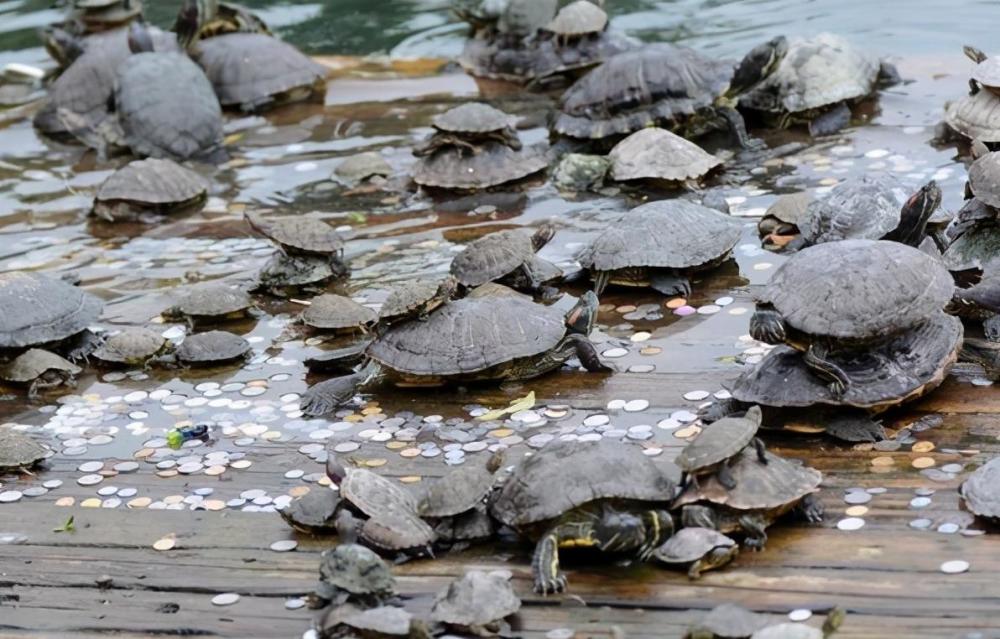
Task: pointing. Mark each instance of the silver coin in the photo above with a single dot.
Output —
(10, 496)
(294, 604)
(596, 420)
(800, 614)
(954, 567)
(851, 523)
(190, 468)
(284, 545)
(126, 467)
(225, 599)
(636, 405)
(920, 502)
(74, 451)
(294, 474)
(948, 528)
(111, 502)
(346, 447)
(857, 498)
(52, 484)
(128, 492)
(90, 467)
(35, 491)
(475, 447)
(90, 480)
(107, 491)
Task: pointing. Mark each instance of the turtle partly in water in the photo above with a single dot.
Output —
(148, 188)
(469, 126)
(668, 86)
(301, 235)
(698, 550)
(507, 257)
(36, 309)
(979, 491)
(134, 346)
(338, 314)
(476, 603)
(659, 155)
(782, 220)
(604, 495)
(19, 451)
(289, 275)
(39, 370)
(212, 348)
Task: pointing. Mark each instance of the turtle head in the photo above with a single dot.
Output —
(758, 65)
(193, 15)
(335, 469)
(347, 527)
(581, 317)
(834, 619)
(542, 236)
(447, 288)
(974, 54)
(915, 214)
(139, 38)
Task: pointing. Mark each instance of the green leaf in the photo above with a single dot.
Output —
(357, 217)
(524, 403)
(69, 526)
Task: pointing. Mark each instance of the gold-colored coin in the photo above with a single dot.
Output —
(241, 464)
(410, 452)
(410, 479)
(65, 501)
(143, 453)
(650, 350)
(923, 447)
(108, 472)
(677, 302)
(214, 504)
(324, 481)
(167, 543)
(625, 308)
(353, 418)
(215, 471)
(924, 462)
(856, 511)
(500, 433)
(173, 499)
(884, 460)
(298, 491)
(371, 410)
(139, 502)
(689, 431)
(259, 383)
(93, 502)
(166, 474)
(396, 445)
(377, 462)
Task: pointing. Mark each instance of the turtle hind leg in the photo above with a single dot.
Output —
(830, 122)
(991, 328)
(810, 509)
(549, 578)
(761, 449)
(817, 359)
(587, 354)
(725, 476)
(754, 528)
(670, 282)
(738, 128)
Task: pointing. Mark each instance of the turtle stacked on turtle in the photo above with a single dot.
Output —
(976, 116)
(310, 256)
(85, 22)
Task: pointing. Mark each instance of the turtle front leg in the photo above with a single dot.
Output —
(810, 509)
(601, 280)
(817, 359)
(549, 579)
(754, 528)
(738, 128)
(768, 326)
(587, 354)
(670, 282)
(725, 475)
(761, 449)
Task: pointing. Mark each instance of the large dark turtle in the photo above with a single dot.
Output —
(668, 86)
(39, 370)
(849, 293)
(209, 303)
(493, 164)
(817, 82)
(604, 495)
(337, 313)
(212, 348)
(477, 603)
(349, 572)
(469, 126)
(455, 504)
(132, 347)
(659, 244)
(718, 444)
(697, 549)
(299, 235)
(979, 490)
(763, 493)
(416, 299)
(19, 451)
(36, 309)
(727, 621)
(658, 154)
(871, 207)
(152, 186)
(503, 256)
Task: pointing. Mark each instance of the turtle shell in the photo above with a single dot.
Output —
(492, 256)
(976, 117)
(314, 513)
(987, 72)
(524, 17)
(659, 82)
(902, 369)
(818, 71)
(36, 309)
(472, 117)
(18, 450)
(583, 472)
(397, 530)
(864, 208)
(772, 486)
(373, 494)
(984, 178)
(336, 312)
(470, 335)
(691, 544)
(409, 297)
(297, 270)
(665, 234)
(459, 491)
(859, 289)
(250, 70)
(167, 108)
(362, 166)
(788, 631)
(979, 490)
(356, 569)
(298, 234)
(729, 621)
(790, 207)
(477, 599)
(975, 248)
(33, 363)
(719, 441)
(212, 299)
(494, 164)
(213, 347)
(578, 18)
(384, 621)
(154, 183)
(131, 346)
(658, 154)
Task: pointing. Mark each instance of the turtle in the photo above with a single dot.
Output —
(659, 245)
(99, 15)
(986, 73)
(782, 220)
(974, 117)
(718, 444)
(979, 491)
(985, 353)
(580, 172)
(299, 235)
(658, 154)
(727, 621)
(382, 622)
(984, 179)
(151, 186)
(315, 513)
(19, 451)
(673, 87)
(981, 301)
(210, 303)
(846, 294)
(974, 248)
(871, 207)
(477, 603)
(286, 275)
(763, 493)
(604, 495)
(834, 619)
(350, 572)
(342, 360)
(203, 19)
(256, 71)
(494, 164)
(362, 167)
(134, 346)
(391, 523)
(416, 299)
(36, 309)
(337, 313)
(212, 348)
(39, 370)
(512, 19)
(503, 256)
(455, 504)
(467, 127)
(698, 550)
(817, 82)
(577, 19)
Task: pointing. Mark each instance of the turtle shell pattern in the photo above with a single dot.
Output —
(984, 178)
(472, 117)
(131, 345)
(459, 491)
(979, 490)
(153, 182)
(18, 450)
(334, 312)
(492, 256)
(494, 164)
(33, 363)
(213, 299)
(864, 208)
(357, 570)
(691, 544)
(719, 441)
(211, 347)
(393, 522)
(298, 234)
(35, 309)
(477, 599)
(407, 297)
(654, 153)
(577, 19)
(976, 117)
(975, 248)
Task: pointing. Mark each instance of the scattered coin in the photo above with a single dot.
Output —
(954, 567)
(166, 543)
(923, 447)
(923, 462)
(856, 511)
(851, 523)
(225, 599)
(800, 614)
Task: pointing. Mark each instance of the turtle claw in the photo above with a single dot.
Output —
(550, 585)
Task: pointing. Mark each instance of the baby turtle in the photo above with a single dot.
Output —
(362, 167)
(495, 163)
(503, 256)
(337, 313)
(56, 310)
(477, 603)
(40, 370)
(315, 513)
(727, 621)
(817, 82)
(290, 275)
(210, 303)
(133, 347)
(19, 451)
(763, 493)
(986, 73)
(512, 19)
(468, 127)
(255, 71)
(610, 497)
(718, 444)
(831, 624)
(416, 299)
(698, 550)
(212, 348)
(578, 19)
(299, 235)
(848, 293)
(384, 622)
(783, 218)
(454, 504)
(979, 490)
(664, 85)
(871, 207)
(351, 572)
(658, 154)
(975, 117)
(659, 244)
(150, 186)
